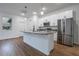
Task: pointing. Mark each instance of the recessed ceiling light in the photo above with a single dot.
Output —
(34, 13)
(3, 18)
(22, 14)
(25, 18)
(42, 12)
(44, 8)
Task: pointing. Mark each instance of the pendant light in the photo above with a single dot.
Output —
(23, 13)
(43, 8)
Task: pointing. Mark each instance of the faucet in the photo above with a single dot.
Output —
(33, 28)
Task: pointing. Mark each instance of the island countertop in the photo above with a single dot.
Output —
(41, 32)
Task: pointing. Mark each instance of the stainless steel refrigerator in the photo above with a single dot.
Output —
(65, 31)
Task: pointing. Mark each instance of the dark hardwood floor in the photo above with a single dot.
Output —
(62, 50)
(16, 47)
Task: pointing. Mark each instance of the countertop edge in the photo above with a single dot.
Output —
(42, 33)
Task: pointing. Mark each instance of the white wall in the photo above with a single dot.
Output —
(33, 21)
(17, 25)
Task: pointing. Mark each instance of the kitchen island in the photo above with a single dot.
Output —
(42, 41)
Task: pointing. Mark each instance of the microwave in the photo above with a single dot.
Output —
(46, 24)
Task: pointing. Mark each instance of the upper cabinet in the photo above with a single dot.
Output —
(52, 18)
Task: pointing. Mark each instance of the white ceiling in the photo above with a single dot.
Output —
(17, 8)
